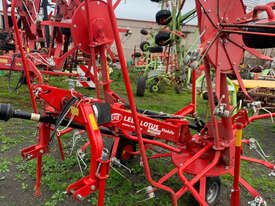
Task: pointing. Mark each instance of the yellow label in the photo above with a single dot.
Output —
(18, 64)
(93, 122)
(75, 111)
(107, 71)
(239, 137)
(3, 61)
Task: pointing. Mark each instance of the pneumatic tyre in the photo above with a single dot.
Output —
(137, 54)
(155, 49)
(212, 191)
(163, 17)
(143, 31)
(162, 38)
(141, 85)
(144, 46)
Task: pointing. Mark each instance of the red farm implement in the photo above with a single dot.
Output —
(213, 151)
(46, 38)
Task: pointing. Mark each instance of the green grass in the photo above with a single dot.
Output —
(57, 174)
(4, 166)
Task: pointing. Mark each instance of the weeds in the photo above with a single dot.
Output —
(4, 166)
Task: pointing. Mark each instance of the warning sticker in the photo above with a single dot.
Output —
(93, 122)
(75, 111)
(3, 61)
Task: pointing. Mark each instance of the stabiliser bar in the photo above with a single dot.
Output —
(7, 112)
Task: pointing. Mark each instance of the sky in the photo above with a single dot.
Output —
(144, 9)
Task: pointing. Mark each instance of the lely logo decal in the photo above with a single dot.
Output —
(116, 117)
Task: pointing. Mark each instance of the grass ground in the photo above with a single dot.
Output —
(17, 177)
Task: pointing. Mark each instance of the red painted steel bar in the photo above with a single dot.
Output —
(263, 116)
(217, 142)
(132, 105)
(262, 162)
(44, 135)
(235, 193)
(14, 2)
(194, 89)
(58, 73)
(249, 188)
(189, 184)
(116, 4)
(160, 144)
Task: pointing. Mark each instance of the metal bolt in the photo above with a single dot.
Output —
(226, 167)
(79, 197)
(83, 8)
(181, 164)
(238, 19)
(75, 26)
(98, 2)
(193, 139)
(41, 151)
(208, 42)
(79, 44)
(92, 187)
(209, 10)
(29, 157)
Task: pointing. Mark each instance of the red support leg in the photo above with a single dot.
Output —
(38, 176)
(235, 195)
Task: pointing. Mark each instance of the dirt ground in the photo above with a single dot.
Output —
(14, 193)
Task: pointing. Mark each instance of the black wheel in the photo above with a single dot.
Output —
(144, 46)
(124, 149)
(260, 41)
(162, 38)
(212, 191)
(137, 54)
(155, 49)
(163, 17)
(156, 1)
(205, 97)
(143, 31)
(141, 84)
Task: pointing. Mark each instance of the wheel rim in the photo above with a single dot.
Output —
(155, 88)
(126, 152)
(212, 193)
(163, 20)
(145, 47)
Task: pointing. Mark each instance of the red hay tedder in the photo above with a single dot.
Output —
(213, 151)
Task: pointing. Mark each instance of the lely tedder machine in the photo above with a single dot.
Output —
(214, 150)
